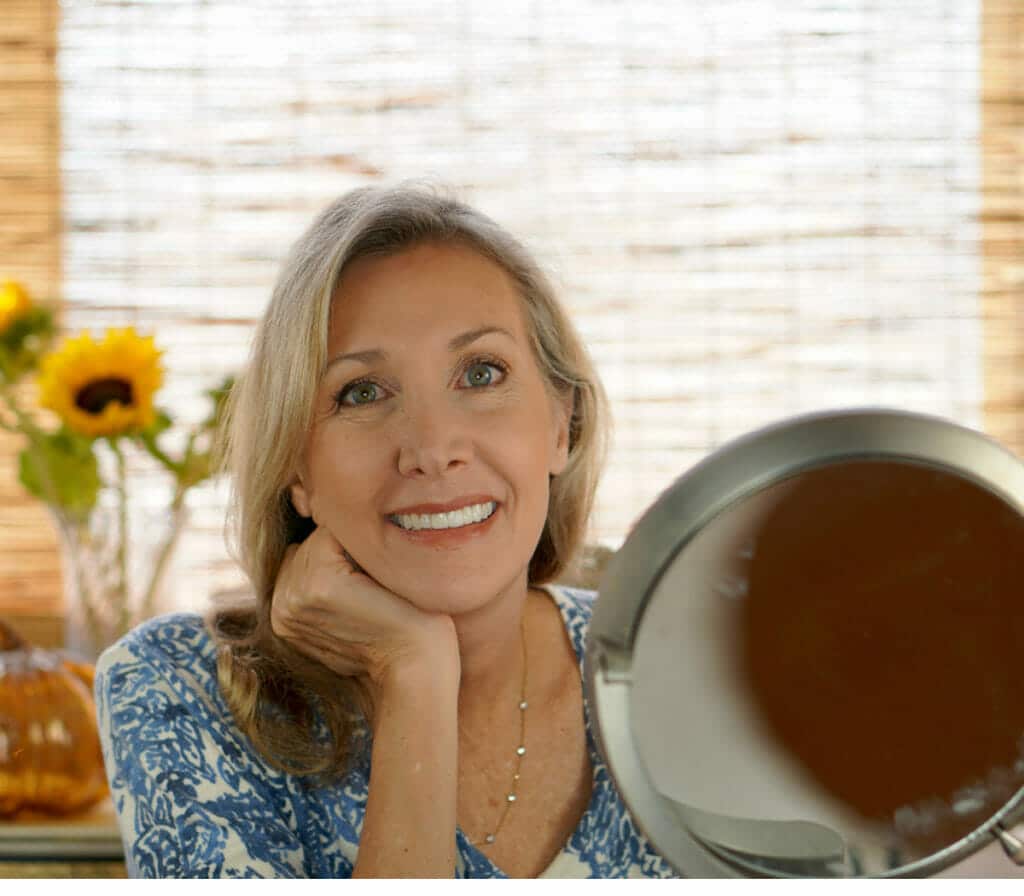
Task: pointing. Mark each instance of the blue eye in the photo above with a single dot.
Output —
(359, 393)
(481, 373)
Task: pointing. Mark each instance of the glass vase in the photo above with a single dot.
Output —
(114, 565)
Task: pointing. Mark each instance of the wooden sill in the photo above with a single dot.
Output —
(40, 630)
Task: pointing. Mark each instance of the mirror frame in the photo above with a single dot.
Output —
(737, 470)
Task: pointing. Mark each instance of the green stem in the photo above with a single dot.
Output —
(25, 422)
(35, 435)
(75, 534)
(164, 555)
(149, 443)
(86, 577)
(123, 593)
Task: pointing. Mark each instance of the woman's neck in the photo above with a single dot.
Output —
(491, 651)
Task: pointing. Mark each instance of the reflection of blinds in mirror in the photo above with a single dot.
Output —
(753, 209)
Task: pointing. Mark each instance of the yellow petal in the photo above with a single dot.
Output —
(81, 361)
(14, 302)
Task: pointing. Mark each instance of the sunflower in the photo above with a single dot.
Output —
(103, 388)
(14, 302)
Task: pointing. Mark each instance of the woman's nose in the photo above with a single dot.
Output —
(432, 441)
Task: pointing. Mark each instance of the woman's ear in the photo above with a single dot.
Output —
(563, 407)
(300, 499)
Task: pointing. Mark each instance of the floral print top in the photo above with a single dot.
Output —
(194, 799)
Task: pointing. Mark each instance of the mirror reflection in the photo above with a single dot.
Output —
(827, 679)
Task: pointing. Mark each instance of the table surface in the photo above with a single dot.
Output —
(62, 870)
(84, 845)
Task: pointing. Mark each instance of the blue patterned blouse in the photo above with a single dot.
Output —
(195, 800)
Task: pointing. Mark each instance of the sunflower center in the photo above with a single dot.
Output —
(95, 396)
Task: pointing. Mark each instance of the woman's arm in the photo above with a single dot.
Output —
(409, 661)
(192, 800)
(409, 828)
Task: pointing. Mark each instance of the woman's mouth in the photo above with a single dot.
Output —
(453, 519)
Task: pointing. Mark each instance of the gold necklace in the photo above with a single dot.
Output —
(510, 797)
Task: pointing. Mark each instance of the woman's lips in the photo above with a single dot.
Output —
(456, 504)
(448, 537)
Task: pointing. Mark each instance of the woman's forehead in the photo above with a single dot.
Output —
(425, 293)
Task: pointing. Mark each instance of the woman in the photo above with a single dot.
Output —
(415, 446)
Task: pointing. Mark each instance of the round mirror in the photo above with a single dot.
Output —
(805, 659)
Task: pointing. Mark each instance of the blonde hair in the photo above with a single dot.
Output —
(298, 714)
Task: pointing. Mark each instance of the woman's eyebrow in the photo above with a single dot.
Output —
(370, 355)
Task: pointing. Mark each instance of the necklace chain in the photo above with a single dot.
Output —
(511, 796)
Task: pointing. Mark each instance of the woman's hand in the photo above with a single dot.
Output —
(328, 609)
(408, 660)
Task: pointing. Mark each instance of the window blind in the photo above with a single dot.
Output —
(753, 209)
(30, 252)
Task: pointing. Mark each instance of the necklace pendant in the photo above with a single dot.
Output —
(510, 796)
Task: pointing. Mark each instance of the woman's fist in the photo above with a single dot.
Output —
(327, 608)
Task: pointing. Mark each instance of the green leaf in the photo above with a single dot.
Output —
(196, 468)
(23, 343)
(148, 437)
(61, 469)
(161, 423)
(198, 463)
(218, 397)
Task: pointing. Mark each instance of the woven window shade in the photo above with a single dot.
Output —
(1002, 248)
(30, 251)
(752, 209)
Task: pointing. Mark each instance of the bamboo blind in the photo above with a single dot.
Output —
(752, 209)
(1002, 116)
(31, 251)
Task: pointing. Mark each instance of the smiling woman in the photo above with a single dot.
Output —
(453, 412)
(415, 447)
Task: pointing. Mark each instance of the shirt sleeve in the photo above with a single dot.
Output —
(192, 798)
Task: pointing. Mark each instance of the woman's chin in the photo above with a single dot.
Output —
(452, 598)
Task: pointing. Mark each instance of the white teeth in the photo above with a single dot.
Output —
(453, 519)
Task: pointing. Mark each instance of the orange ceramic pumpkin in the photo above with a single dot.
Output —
(50, 757)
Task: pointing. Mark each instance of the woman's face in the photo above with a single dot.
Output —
(432, 403)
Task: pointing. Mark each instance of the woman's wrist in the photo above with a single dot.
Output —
(431, 655)
(414, 682)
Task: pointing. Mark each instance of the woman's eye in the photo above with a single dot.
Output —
(358, 393)
(483, 373)
(479, 374)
